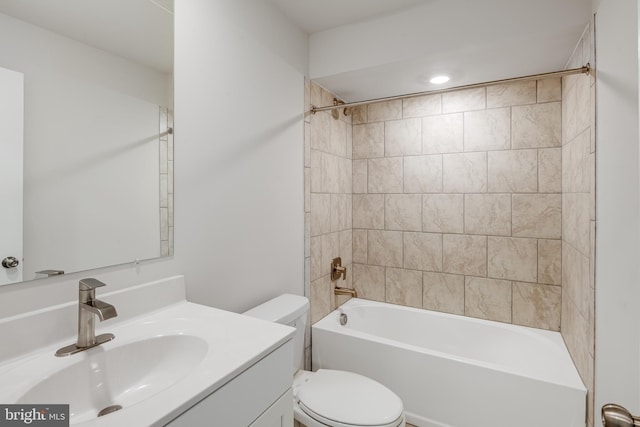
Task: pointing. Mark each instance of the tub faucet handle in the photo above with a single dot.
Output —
(338, 270)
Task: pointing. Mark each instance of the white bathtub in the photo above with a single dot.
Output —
(455, 371)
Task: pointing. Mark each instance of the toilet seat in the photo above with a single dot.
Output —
(346, 399)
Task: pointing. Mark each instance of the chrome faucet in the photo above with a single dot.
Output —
(88, 308)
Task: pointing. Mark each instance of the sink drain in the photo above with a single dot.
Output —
(109, 409)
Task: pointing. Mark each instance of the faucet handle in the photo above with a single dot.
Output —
(90, 284)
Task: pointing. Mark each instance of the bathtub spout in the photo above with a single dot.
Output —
(345, 291)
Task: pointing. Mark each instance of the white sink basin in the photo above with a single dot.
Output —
(124, 376)
(159, 364)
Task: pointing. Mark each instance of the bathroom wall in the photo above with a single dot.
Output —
(457, 203)
(238, 188)
(578, 214)
(617, 370)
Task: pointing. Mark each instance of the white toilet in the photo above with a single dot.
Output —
(329, 397)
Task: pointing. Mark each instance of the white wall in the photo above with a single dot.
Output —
(618, 206)
(238, 163)
(90, 151)
(240, 70)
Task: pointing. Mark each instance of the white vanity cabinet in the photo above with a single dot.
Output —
(260, 396)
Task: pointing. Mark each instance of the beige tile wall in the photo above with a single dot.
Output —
(578, 216)
(328, 201)
(457, 203)
(478, 202)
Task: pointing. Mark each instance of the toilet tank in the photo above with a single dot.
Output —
(289, 310)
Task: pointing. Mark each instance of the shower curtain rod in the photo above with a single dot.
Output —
(581, 70)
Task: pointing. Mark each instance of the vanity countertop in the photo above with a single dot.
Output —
(187, 351)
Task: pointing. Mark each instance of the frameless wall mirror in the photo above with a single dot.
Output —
(86, 117)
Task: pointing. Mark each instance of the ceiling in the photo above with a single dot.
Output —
(319, 15)
(140, 30)
(366, 49)
(358, 49)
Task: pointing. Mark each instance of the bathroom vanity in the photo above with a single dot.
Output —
(172, 363)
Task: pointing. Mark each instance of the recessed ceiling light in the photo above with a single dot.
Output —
(438, 80)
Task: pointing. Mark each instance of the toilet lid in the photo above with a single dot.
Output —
(349, 399)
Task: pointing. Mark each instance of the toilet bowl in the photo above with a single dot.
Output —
(330, 397)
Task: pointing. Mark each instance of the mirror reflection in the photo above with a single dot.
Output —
(87, 146)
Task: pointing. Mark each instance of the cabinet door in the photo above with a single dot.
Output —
(280, 414)
(246, 397)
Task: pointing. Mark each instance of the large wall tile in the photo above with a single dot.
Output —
(419, 106)
(443, 213)
(381, 111)
(315, 174)
(513, 171)
(537, 306)
(330, 250)
(316, 258)
(575, 279)
(464, 100)
(550, 170)
(360, 176)
(385, 175)
(338, 142)
(307, 189)
(443, 134)
(550, 262)
(487, 299)
(575, 220)
(403, 137)
(513, 259)
(346, 246)
(488, 214)
(506, 95)
(404, 287)
(464, 254)
(537, 215)
(443, 292)
(340, 212)
(359, 115)
(369, 281)
(403, 212)
(307, 145)
(487, 130)
(576, 171)
(537, 126)
(464, 173)
(320, 298)
(321, 131)
(368, 211)
(368, 141)
(320, 214)
(360, 246)
(583, 99)
(423, 174)
(384, 248)
(550, 90)
(422, 251)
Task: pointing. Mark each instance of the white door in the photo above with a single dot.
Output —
(11, 135)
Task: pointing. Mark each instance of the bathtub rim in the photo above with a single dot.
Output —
(330, 323)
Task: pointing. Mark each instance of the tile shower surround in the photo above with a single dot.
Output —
(478, 202)
(456, 203)
(579, 216)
